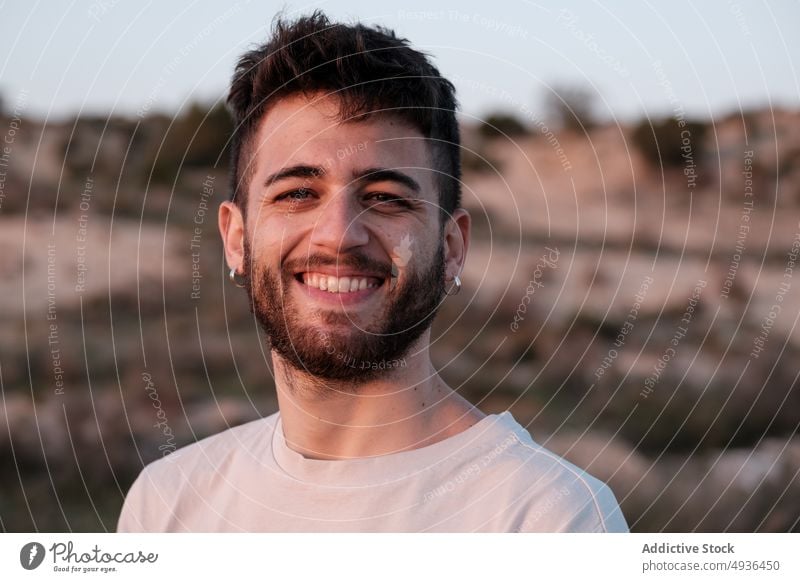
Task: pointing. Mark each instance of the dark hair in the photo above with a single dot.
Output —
(368, 68)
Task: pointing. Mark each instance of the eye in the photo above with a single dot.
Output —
(295, 195)
(387, 199)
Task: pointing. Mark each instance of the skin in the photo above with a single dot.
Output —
(409, 406)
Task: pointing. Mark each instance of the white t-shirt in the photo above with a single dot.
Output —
(491, 477)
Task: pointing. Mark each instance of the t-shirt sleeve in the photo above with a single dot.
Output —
(144, 508)
(611, 518)
(131, 519)
(575, 505)
(592, 509)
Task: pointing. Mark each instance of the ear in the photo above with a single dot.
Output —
(456, 242)
(231, 227)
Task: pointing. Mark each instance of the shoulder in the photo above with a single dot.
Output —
(161, 484)
(213, 451)
(551, 493)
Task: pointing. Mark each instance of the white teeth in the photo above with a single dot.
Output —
(333, 284)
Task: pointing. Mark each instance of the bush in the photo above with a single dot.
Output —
(664, 142)
(571, 108)
(502, 124)
(196, 139)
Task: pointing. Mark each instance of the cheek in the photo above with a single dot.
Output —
(269, 240)
(412, 251)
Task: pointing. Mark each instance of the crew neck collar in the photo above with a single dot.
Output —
(385, 469)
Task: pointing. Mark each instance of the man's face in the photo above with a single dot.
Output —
(343, 248)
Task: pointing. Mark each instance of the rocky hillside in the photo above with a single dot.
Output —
(631, 297)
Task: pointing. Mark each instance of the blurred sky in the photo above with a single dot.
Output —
(130, 57)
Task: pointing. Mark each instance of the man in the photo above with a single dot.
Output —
(345, 229)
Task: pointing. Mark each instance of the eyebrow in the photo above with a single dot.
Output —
(367, 175)
(386, 175)
(300, 171)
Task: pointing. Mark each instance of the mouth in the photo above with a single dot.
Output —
(342, 285)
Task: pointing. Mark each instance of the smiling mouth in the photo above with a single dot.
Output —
(333, 284)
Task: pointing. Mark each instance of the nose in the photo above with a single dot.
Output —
(340, 226)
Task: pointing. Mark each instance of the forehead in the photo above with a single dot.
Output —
(305, 130)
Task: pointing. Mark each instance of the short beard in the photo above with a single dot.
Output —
(356, 356)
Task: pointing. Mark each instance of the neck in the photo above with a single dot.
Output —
(409, 407)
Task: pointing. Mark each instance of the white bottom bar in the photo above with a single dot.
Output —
(401, 557)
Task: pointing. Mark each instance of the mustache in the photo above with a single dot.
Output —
(357, 261)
